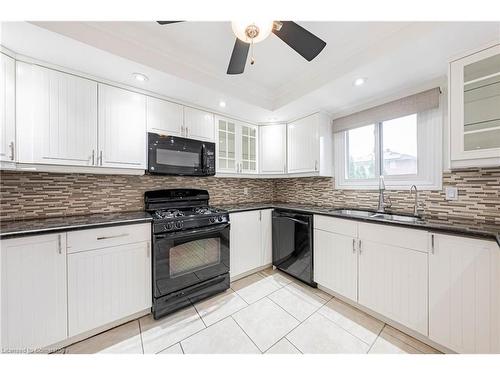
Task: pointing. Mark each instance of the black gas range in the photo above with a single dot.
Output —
(190, 248)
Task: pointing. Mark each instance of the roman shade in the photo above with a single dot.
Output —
(398, 108)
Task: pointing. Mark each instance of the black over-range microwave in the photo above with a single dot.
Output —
(180, 156)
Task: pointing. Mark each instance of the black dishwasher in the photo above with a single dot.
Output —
(293, 244)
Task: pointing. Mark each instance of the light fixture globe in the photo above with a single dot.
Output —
(248, 31)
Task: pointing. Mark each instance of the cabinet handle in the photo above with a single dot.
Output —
(93, 157)
(148, 249)
(315, 165)
(59, 246)
(109, 237)
(11, 146)
(100, 156)
(187, 131)
(182, 130)
(359, 246)
(432, 244)
(353, 245)
(260, 215)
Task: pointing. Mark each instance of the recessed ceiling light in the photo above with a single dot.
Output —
(140, 77)
(222, 104)
(359, 81)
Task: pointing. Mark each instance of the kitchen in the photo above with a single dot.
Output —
(139, 221)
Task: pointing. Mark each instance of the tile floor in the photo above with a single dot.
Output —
(267, 312)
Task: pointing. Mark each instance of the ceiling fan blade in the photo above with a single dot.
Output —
(238, 57)
(168, 22)
(302, 41)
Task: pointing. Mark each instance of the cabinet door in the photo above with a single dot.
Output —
(266, 224)
(7, 108)
(336, 263)
(199, 124)
(248, 160)
(226, 146)
(33, 291)
(303, 145)
(164, 117)
(272, 158)
(393, 282)
(474, 111)
(122, 128)
(108, 284)
(245, 242)
(56, 117)
(464, 294)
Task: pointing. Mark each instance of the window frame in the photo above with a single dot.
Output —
(429, 158)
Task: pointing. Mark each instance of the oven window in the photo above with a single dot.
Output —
(193, 256)
(177, 158)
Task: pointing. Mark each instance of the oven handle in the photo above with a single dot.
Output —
(182, 234)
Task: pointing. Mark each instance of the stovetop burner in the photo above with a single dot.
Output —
(182, 209)
(168, 214)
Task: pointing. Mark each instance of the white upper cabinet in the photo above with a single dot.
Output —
(7, 108)
(272, 149)
(56, 117)
(198, 124)
(164, 117)
(33, 292)
(464, 294)
(122, 128)
(237, 145)
(474, 110)
(309, 143)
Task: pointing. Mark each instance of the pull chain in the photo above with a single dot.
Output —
(252, 60)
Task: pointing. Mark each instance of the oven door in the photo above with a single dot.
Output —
(179, 156)
(189, 257)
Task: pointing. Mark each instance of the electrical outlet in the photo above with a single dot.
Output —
(451, 193)
(245, 191)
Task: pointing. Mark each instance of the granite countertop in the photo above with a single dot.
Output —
(452, 225)
(17, 228)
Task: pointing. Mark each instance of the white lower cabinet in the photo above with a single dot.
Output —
(250, 241)
(464, 294)
(56, 286)
(393, 282)
(336, 263)
(445, 287)
(33, 292)
(107, 284)
(266, 217)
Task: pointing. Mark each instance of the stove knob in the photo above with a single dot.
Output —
(178, 224)
(211, 219)
(220, 218)
(169, 226)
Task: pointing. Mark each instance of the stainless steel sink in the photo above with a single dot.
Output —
(377, 215)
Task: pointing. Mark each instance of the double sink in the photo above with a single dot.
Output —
(378, 215)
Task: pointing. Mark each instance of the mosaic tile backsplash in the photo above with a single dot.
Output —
(25, 195)
(478, 190)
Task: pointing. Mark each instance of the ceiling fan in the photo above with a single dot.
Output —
(299, 39)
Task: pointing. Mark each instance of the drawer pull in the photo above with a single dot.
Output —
(109, 237)
(353, 245)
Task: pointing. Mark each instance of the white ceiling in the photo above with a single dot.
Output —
(395, 57)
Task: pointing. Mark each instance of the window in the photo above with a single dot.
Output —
(361, 152)
(405, 150)
(399, 146)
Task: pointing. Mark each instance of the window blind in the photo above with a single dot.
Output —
(398, 108)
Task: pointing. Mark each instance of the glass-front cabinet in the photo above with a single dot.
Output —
(474, 83)
(236, 147)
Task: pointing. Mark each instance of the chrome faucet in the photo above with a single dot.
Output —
(416, 209)
(382, 203)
